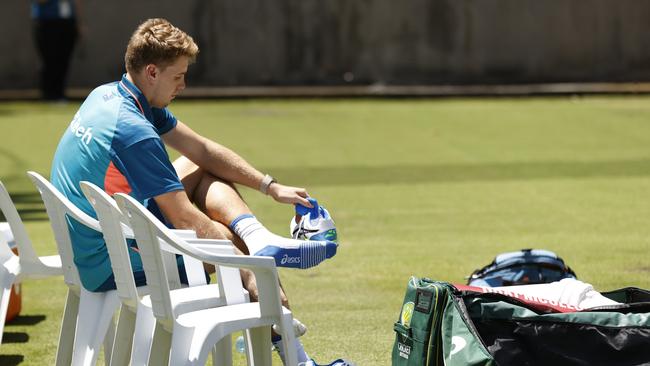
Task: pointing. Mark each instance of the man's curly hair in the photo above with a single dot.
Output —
(158, 42)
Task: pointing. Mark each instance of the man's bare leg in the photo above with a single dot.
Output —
(222, 203)
(219, 200)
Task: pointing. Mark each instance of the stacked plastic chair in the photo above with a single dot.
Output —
(13, 268)
(135, 326)
(88, 316)
(187, 338)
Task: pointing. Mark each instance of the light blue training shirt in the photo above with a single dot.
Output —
(114, 142)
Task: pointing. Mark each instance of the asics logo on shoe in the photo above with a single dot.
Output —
(289, 260)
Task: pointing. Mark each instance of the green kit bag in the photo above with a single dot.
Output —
(456, 325)
(417, 331)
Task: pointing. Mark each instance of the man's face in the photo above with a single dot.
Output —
(168, 82)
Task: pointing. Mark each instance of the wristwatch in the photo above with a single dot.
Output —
(266, 183)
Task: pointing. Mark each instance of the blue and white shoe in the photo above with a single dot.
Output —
(312, 223)
(303, 254)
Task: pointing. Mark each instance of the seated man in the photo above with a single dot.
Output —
(117, 141)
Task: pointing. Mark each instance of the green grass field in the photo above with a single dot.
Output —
(430, 188)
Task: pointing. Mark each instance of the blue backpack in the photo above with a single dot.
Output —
(523, 267)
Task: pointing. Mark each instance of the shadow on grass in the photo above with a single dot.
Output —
(11, 360)
(6, 111)
(18, 337)
(31, 208)
(14, 337)
(29, 205)
(449, 173)
(26, 320)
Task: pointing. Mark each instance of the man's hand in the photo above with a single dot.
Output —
(287, 194)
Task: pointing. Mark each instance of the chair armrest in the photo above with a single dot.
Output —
(202, 250)
(232, 260)
(212, 246)
(205, 245)
(185, 234)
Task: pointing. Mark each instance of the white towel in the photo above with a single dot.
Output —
(567, 291)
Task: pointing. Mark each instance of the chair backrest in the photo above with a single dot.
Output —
(59, 209)
(10, 213)
(152, 259)
(110, 220)
(152, 236)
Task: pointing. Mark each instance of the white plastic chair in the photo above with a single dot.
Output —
(88, 316)
(13, 268)
(186, 339)
(136, 322)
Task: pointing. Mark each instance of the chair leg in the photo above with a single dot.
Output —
(67, 334)
(248, 349)
(145, 323)
(93, 322)
(109, 339)
(121, 352)
(289, 341)
(222, 352)
(261, 345)
(160, 346)
(5, 288)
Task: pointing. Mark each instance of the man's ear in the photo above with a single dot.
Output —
(151, 72)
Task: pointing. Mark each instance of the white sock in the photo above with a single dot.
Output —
(287, 252)
(302, 355)
(256, 236)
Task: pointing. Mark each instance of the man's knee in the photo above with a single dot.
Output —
(189, 174)
(184, 166)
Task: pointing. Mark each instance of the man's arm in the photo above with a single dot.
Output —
(226, 164)
(177, 209)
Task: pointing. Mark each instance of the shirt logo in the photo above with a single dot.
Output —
(80, 131)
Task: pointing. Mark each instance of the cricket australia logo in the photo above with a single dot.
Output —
(407, 314)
